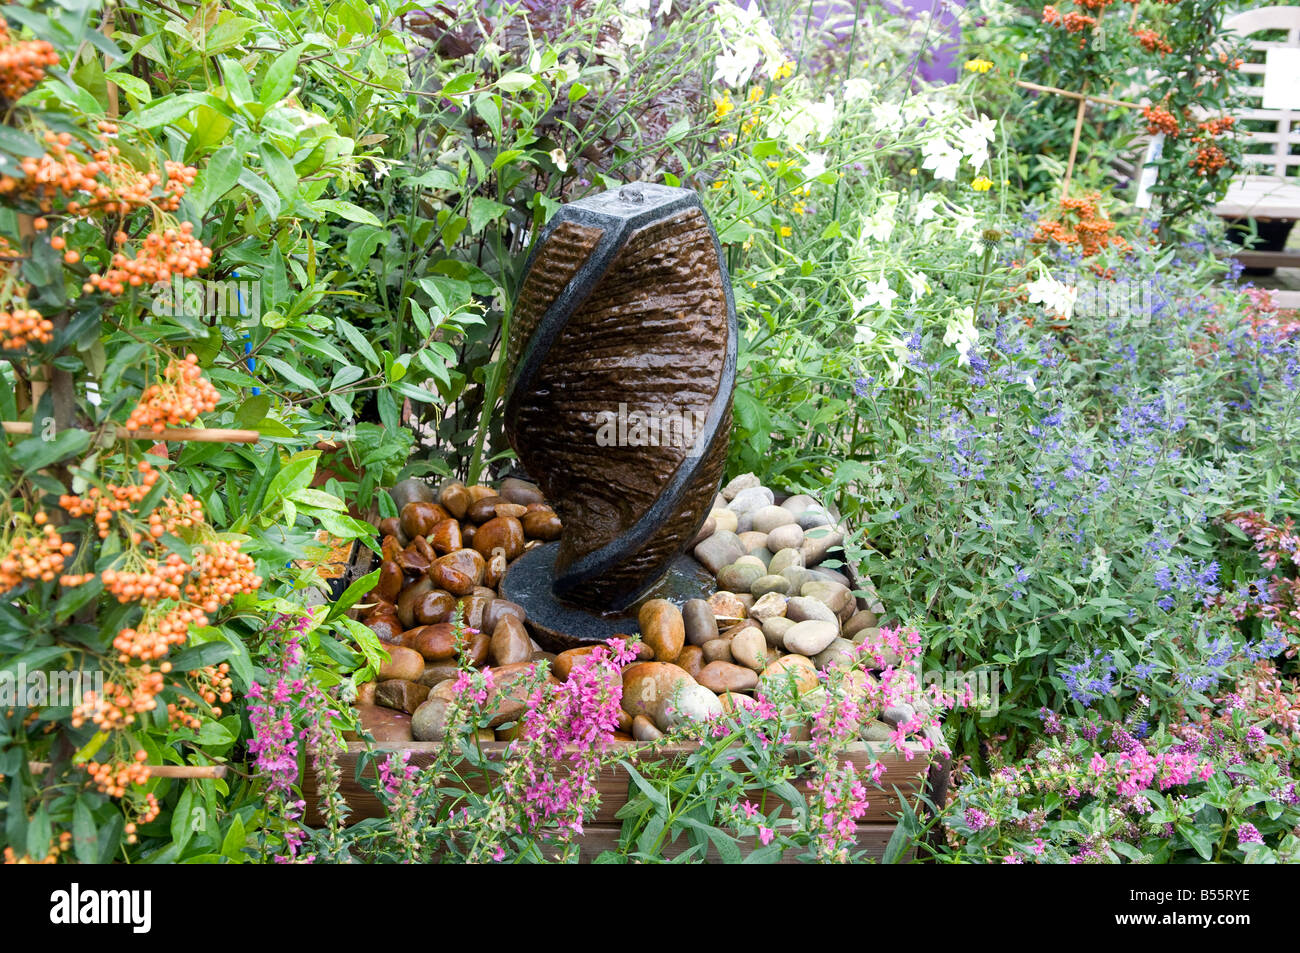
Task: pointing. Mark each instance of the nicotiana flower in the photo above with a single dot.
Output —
(927, 207)
(877, 294)
(880, 224)
(747, 40)
(962, 333)
(633, 31)
(978, 136)
(802, 120)
(919, 283)
(888, 116)
(900, 354)
(814, 165)
(1056, 296)
(941, 159)
(856, 90)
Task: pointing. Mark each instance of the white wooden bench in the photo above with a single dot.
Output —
(1269, 188)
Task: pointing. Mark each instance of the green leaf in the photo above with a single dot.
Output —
(296, 474)
(353, 213)
(260, 188)
(36, 453)
(279, 170)
(85, 838)
(318, 499)
(279, 76)
(514, 81)
(164, 112)
(483, 210)
(362, 243)
(291, 374)
(218, 177)
(645, 787)
(215, 733)
(182, 826)
(358, 341)
(227, 34)
(232, 844)
(352, 595)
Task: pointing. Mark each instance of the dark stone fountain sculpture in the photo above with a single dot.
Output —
(622, 360)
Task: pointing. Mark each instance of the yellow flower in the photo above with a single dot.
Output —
(720, 184)
(978, 66)
(728, 140)
(1024, 57)
(755, 94)
(982, 184)
(786, 231)
(799, 209)
(911, 172)
(749, 125)
(784, 71)
(721, 106)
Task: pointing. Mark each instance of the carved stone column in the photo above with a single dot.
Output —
(622, 361)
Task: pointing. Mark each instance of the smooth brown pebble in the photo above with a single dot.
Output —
(691, 659)
(719, 677)
(510, 642)
(504, 532)
(542, 524)
(402, 663)
(719, 650)
(662, 628)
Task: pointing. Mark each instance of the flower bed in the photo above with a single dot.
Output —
(906, 781)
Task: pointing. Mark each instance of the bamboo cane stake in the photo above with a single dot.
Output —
(1074, 143)
(180, 435)
(183, 771)
(1070, 94)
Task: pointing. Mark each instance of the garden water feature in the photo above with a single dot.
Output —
(625, 301)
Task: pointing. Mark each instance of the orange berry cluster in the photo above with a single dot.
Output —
(115, 499)
(22, 63)
(1090, 228)
(1214, 127)
(121, 702)
(103, 184)
(39, 556)
(1152, 41)
(150, 812)
(1209, 160)
(214, 685)
(1160, 119)
(112, 778)
(157, 633)
(1095, 4)
(178, 715)
(161, 580)
(21, 326)
(182, 395)
(1073, 22)
(173, 251)
(61, 846)
(223, 572)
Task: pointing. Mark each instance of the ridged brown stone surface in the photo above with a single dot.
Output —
(653, 334)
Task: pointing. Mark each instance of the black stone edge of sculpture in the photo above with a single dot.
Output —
(616, 229)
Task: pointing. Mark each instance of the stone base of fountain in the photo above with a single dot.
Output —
(557, 625)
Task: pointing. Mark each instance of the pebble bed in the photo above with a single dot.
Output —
(779, 614)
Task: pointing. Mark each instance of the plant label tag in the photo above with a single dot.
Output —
(1282, 79)
(1149, 171)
